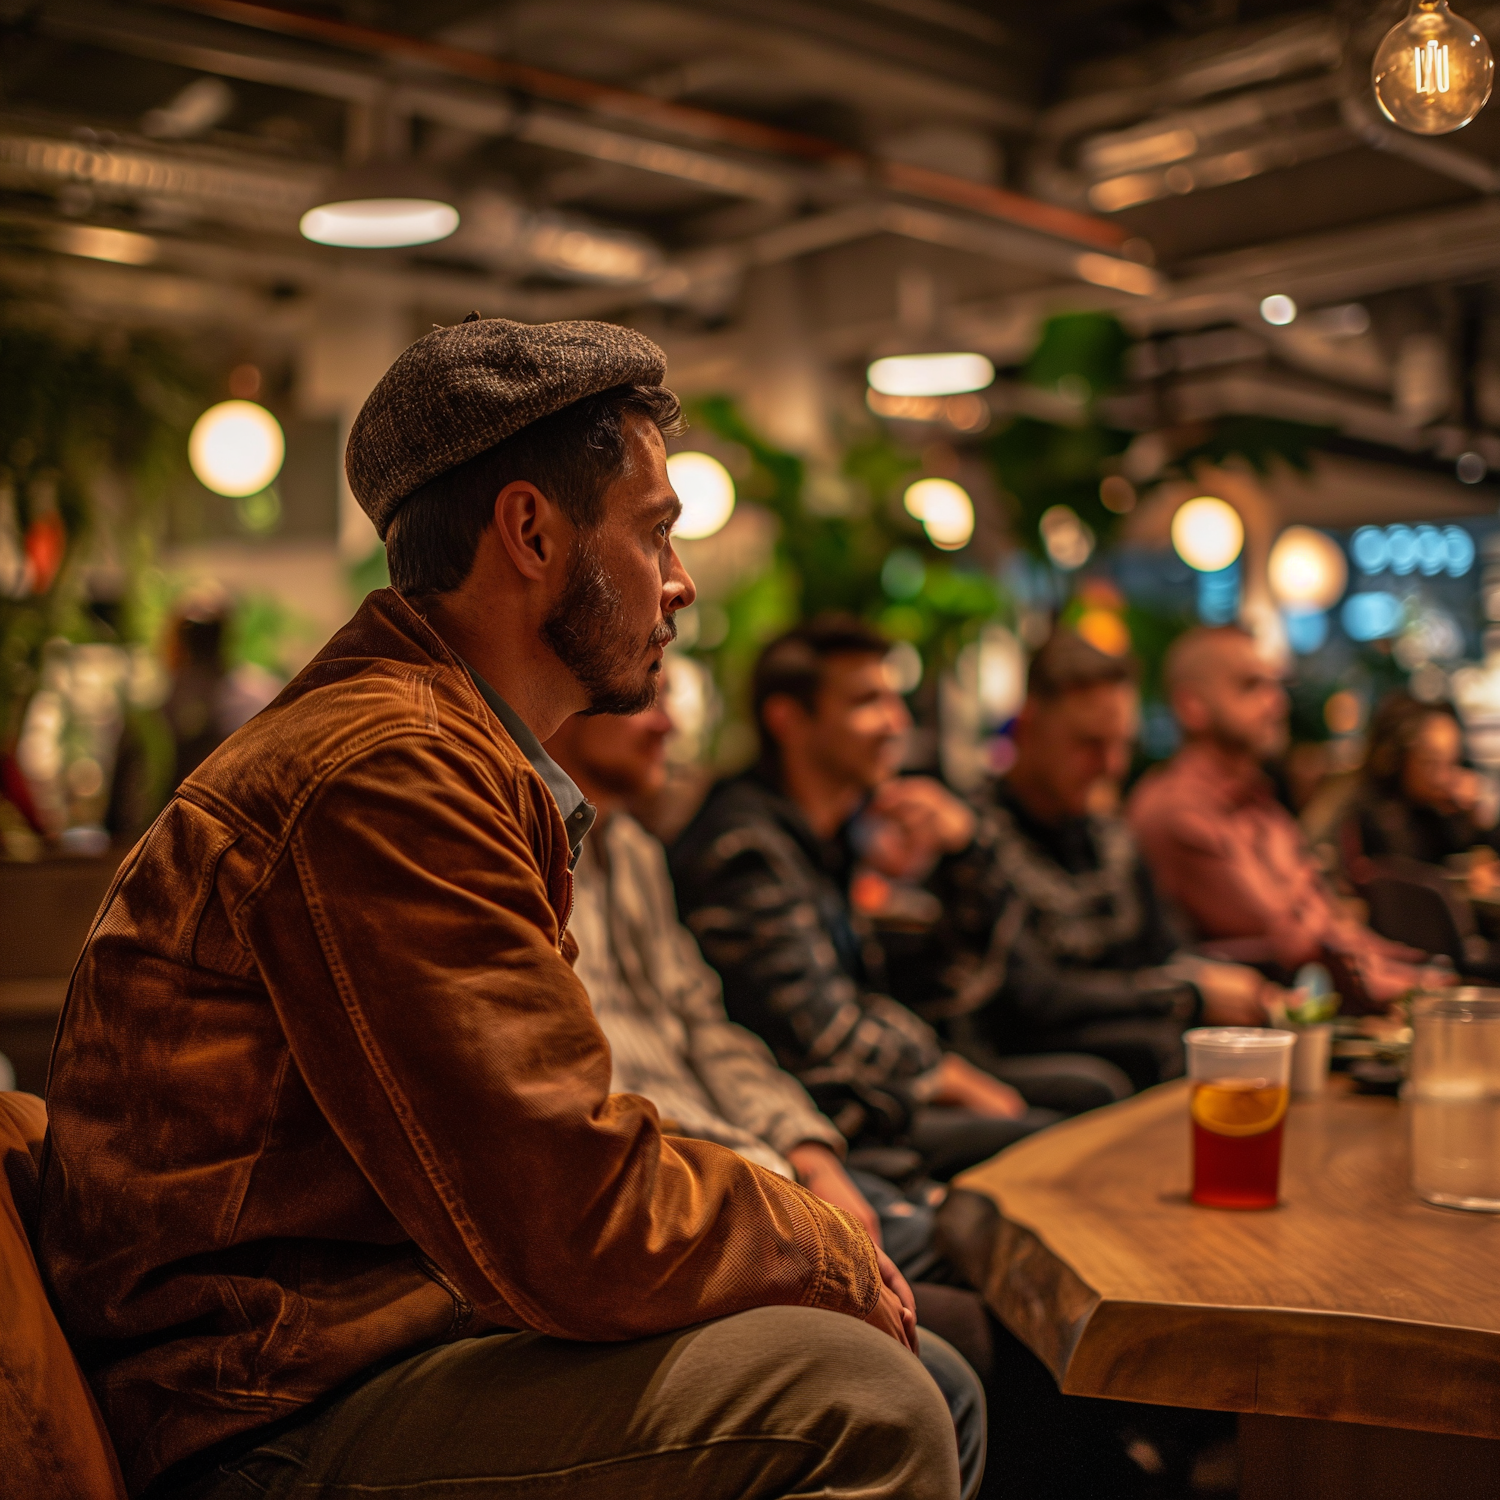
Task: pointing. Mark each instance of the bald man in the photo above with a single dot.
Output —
(1226, 852)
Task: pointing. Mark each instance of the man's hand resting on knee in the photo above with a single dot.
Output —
(896, 1312)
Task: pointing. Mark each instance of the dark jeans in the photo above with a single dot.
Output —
(952, 1140)
(1066, 1079)
(771, 1402)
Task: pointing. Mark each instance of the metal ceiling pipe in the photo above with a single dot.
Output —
(704, 126)
(1240, 66)
(1446, 161)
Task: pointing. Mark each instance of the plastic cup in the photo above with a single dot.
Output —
(1310, 1057)
(1240, 1078)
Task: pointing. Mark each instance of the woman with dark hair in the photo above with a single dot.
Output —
(1416, 798)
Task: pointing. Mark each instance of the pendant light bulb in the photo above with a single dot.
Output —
(1433, 72)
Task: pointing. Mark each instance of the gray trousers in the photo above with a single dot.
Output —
(777, 1401)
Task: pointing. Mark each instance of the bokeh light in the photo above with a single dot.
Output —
(945, 511)
(706, 490)
(236, 448)
(1307, 569)
(930, 374)
(379, 223)
(1207, 533)
(1069, 540)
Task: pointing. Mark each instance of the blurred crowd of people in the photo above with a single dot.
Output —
(868, 983)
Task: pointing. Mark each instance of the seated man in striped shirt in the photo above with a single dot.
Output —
(661, 1007)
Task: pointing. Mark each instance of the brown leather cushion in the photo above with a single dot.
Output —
(53, 1445)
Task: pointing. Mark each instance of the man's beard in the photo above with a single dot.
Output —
(584, 630)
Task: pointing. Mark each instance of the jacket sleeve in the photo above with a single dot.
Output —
(1047, 995)
(733, 1064)
(757, 918)
(411, 952)
(988, 953)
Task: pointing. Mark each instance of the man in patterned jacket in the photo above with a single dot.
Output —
(762, 876)
(1053, 936)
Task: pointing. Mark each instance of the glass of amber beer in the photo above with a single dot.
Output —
(1240, 1078)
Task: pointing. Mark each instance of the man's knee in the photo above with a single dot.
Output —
(855, 1392)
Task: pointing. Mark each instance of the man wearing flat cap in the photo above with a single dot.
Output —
(335, 1197)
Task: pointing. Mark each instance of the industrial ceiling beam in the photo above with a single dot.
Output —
(644, 112)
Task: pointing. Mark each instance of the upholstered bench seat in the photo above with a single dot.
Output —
(53, 1445)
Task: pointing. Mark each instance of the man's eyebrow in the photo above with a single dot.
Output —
(668, 508)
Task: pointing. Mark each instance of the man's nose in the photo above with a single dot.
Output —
(678, 590)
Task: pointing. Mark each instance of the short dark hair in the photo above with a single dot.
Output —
(1394, 727)
(1066, 663)
(793, 664)
(572, 456)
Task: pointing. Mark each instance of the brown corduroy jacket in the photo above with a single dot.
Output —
(326, 1087)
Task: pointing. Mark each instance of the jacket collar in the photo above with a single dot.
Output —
(578, 813)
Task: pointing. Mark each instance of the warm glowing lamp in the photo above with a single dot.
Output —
(379, 223)
(930, 374)
(381, 205)
(706, 490)
(236, 448)
(1207, 533)
(1433, 72)
(945, 511)
(1307, 569)
(1069, 540)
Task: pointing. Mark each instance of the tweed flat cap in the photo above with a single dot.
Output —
(463, 389)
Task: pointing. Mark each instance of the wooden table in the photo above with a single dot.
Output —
(1351, 1303)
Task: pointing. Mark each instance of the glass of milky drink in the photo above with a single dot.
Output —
(1240, 1078)
(1452, 1097)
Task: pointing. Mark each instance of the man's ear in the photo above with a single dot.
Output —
(782, 714)
(1025, 721)
(534, 533)
(1191, 710)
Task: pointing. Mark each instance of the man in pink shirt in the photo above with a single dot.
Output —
(1230, 855)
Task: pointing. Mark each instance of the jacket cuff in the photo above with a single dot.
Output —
(787, 1135)
(850, 1277)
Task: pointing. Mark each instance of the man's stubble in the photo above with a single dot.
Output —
(587, 633)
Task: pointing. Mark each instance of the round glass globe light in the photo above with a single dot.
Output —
(930, 374)
(379, 223)
(706, 490)
(1278, 309)
(1433, 72)
(945, 511)
(1307, 570)
(236, 448)
(1207, 533)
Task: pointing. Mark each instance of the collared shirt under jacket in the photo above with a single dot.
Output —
(326, 1087)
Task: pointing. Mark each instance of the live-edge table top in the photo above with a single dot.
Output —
(1352, 1301)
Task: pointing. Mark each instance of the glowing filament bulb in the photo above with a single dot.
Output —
(1433, 72)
